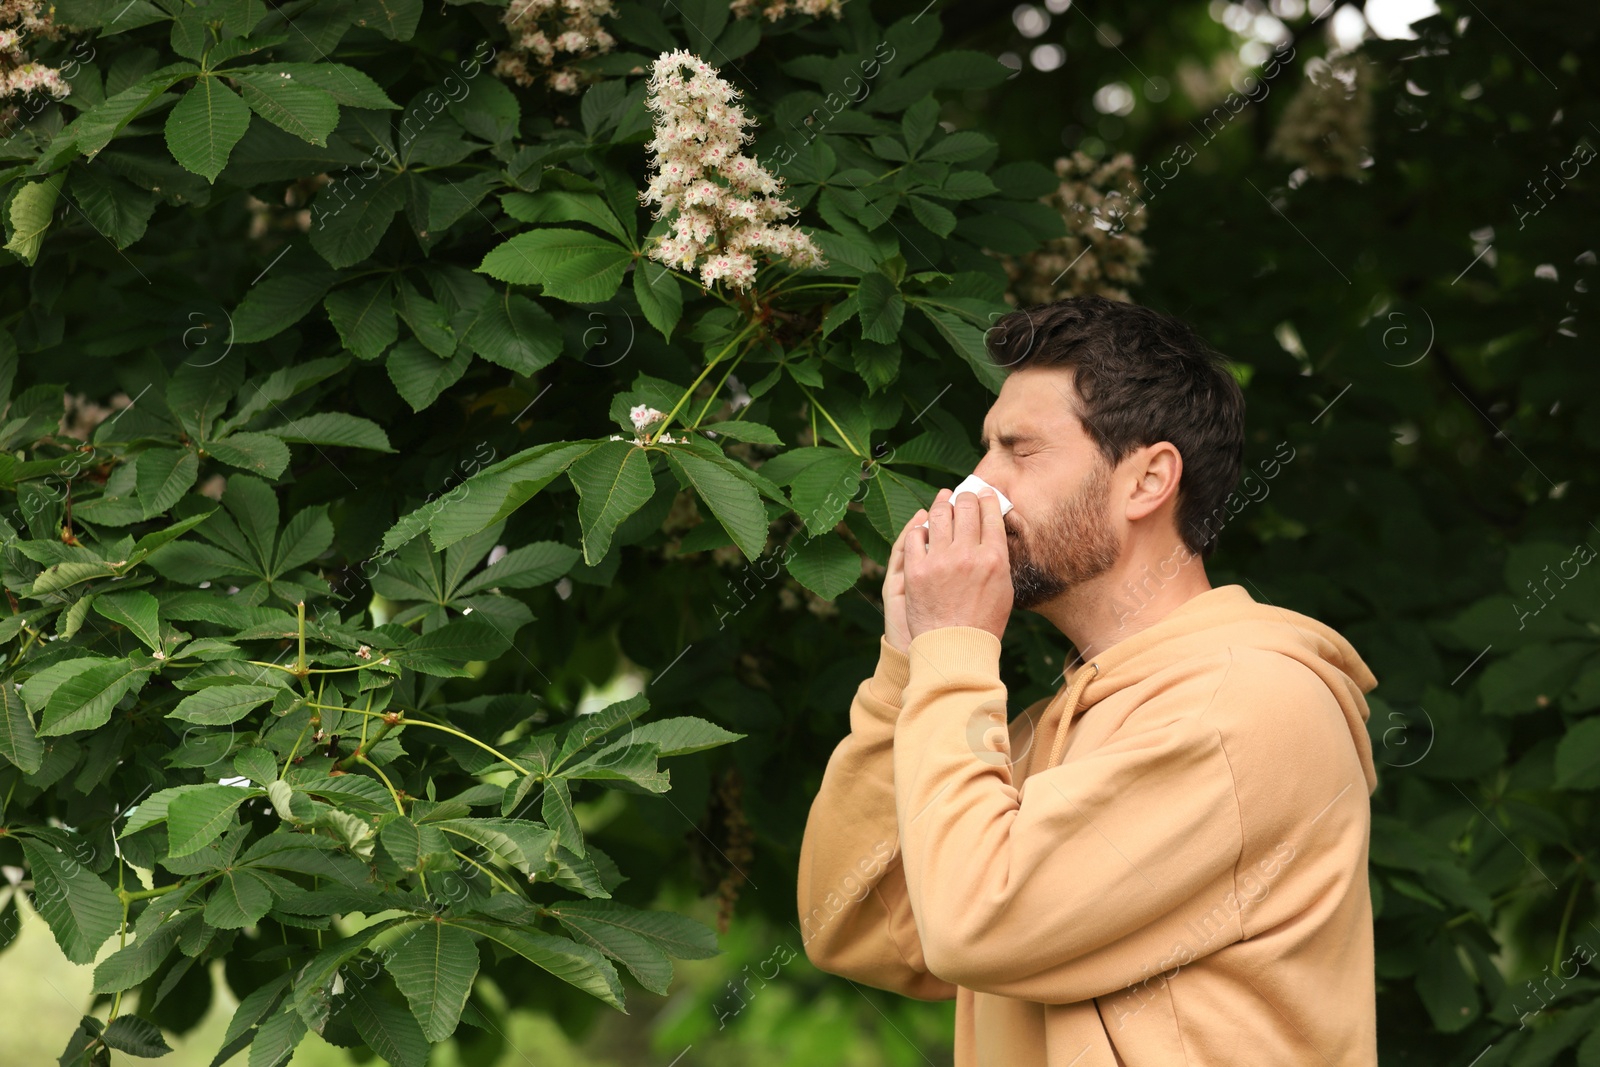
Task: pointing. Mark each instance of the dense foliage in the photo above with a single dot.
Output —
(407, 393)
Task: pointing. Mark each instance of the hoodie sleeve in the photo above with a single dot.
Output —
(1092, 883)
(855, 914)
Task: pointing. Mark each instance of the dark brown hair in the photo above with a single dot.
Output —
(1144, 377)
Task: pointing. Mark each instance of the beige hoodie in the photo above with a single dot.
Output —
(1177, 877)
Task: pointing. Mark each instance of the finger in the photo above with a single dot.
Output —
(897, 554)
(941, 518)
(967, 519)
(992, 525)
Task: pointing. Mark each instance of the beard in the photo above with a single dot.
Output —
(1073, 545)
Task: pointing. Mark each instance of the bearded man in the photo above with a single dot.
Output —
(1165, 862)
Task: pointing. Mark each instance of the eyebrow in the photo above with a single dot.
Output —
(1009, 440)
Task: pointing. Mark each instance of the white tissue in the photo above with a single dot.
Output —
(971, 484)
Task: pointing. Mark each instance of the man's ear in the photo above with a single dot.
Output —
(1156, 470)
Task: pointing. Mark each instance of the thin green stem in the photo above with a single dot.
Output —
(126, 895)
(818, 407)
(289, 762)
(712, 398)
(1566, 920)
(497, 879)
(300, 660)
(394, 793)
(432, 726)
(662, 426)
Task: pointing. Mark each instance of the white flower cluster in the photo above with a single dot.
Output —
(19, 74)
(722, 201)
(1328, 124)
(773, 10)
(645, 416)
(551, 34)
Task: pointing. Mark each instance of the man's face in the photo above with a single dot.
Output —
(1059, 533)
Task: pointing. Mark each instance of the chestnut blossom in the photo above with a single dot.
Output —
(20, 75)
(722, 203)
(552, 34)
(773, 10)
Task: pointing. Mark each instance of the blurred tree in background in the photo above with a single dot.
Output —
(384, 267)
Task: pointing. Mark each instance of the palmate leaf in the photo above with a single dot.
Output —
(684, 734)
(197, 815)
(85, 700)
(572, 265)
(732, 499)
(386, 1027)
(515, 333)
(31, 212)
(569, 961)
(825, 565)
(132, 964)
(220, 705)
(136, 1037)
(640, 940)
(613, 482)
(80, 909)
(204, 126)
(18, 742)
(434, 968)
(135, 610)
(363, 314)
(304, 110)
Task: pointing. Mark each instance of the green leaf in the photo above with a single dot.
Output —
(59, 576)
(569, 961)
(434, 968)
(682, 735)
(196, 816)
(363, 314)
(395, 19)
(515, 333)
(825, 565)
(334, 428)
(967, 340)
(272, 306)
(555, 805)
(414, 847)
(558, 205)
(257, 453)
(882, 308)
(276, 1039)
(572, 265)
(734, 501)
(205, 125)
(136, 1037)
(1445, 987)
(80, 909)
(1578, 756)
(116, 208)
(523, 568)
(152, 541)
(426, 319)
(823, 491)
(18, 742)
(303, 110)
(31, 211)
(677, 936)
(239, 898)
(345, 233)
(136, 610)
(660, 296)
(613, 482)
(387, 1028)
(741, 430)
(132, 964)
(219, 705)
(164, 475)
(419, 376)
(346, 84)
(85, 701)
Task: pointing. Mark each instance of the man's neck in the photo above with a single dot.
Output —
(1126, 599)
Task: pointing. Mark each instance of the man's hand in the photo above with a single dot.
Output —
(895, 627)
(958, 571)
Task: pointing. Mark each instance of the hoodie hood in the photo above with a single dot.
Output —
(1218, 618)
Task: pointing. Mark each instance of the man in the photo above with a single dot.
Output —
(1165, 862)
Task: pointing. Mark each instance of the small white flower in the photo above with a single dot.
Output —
(365, 652)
